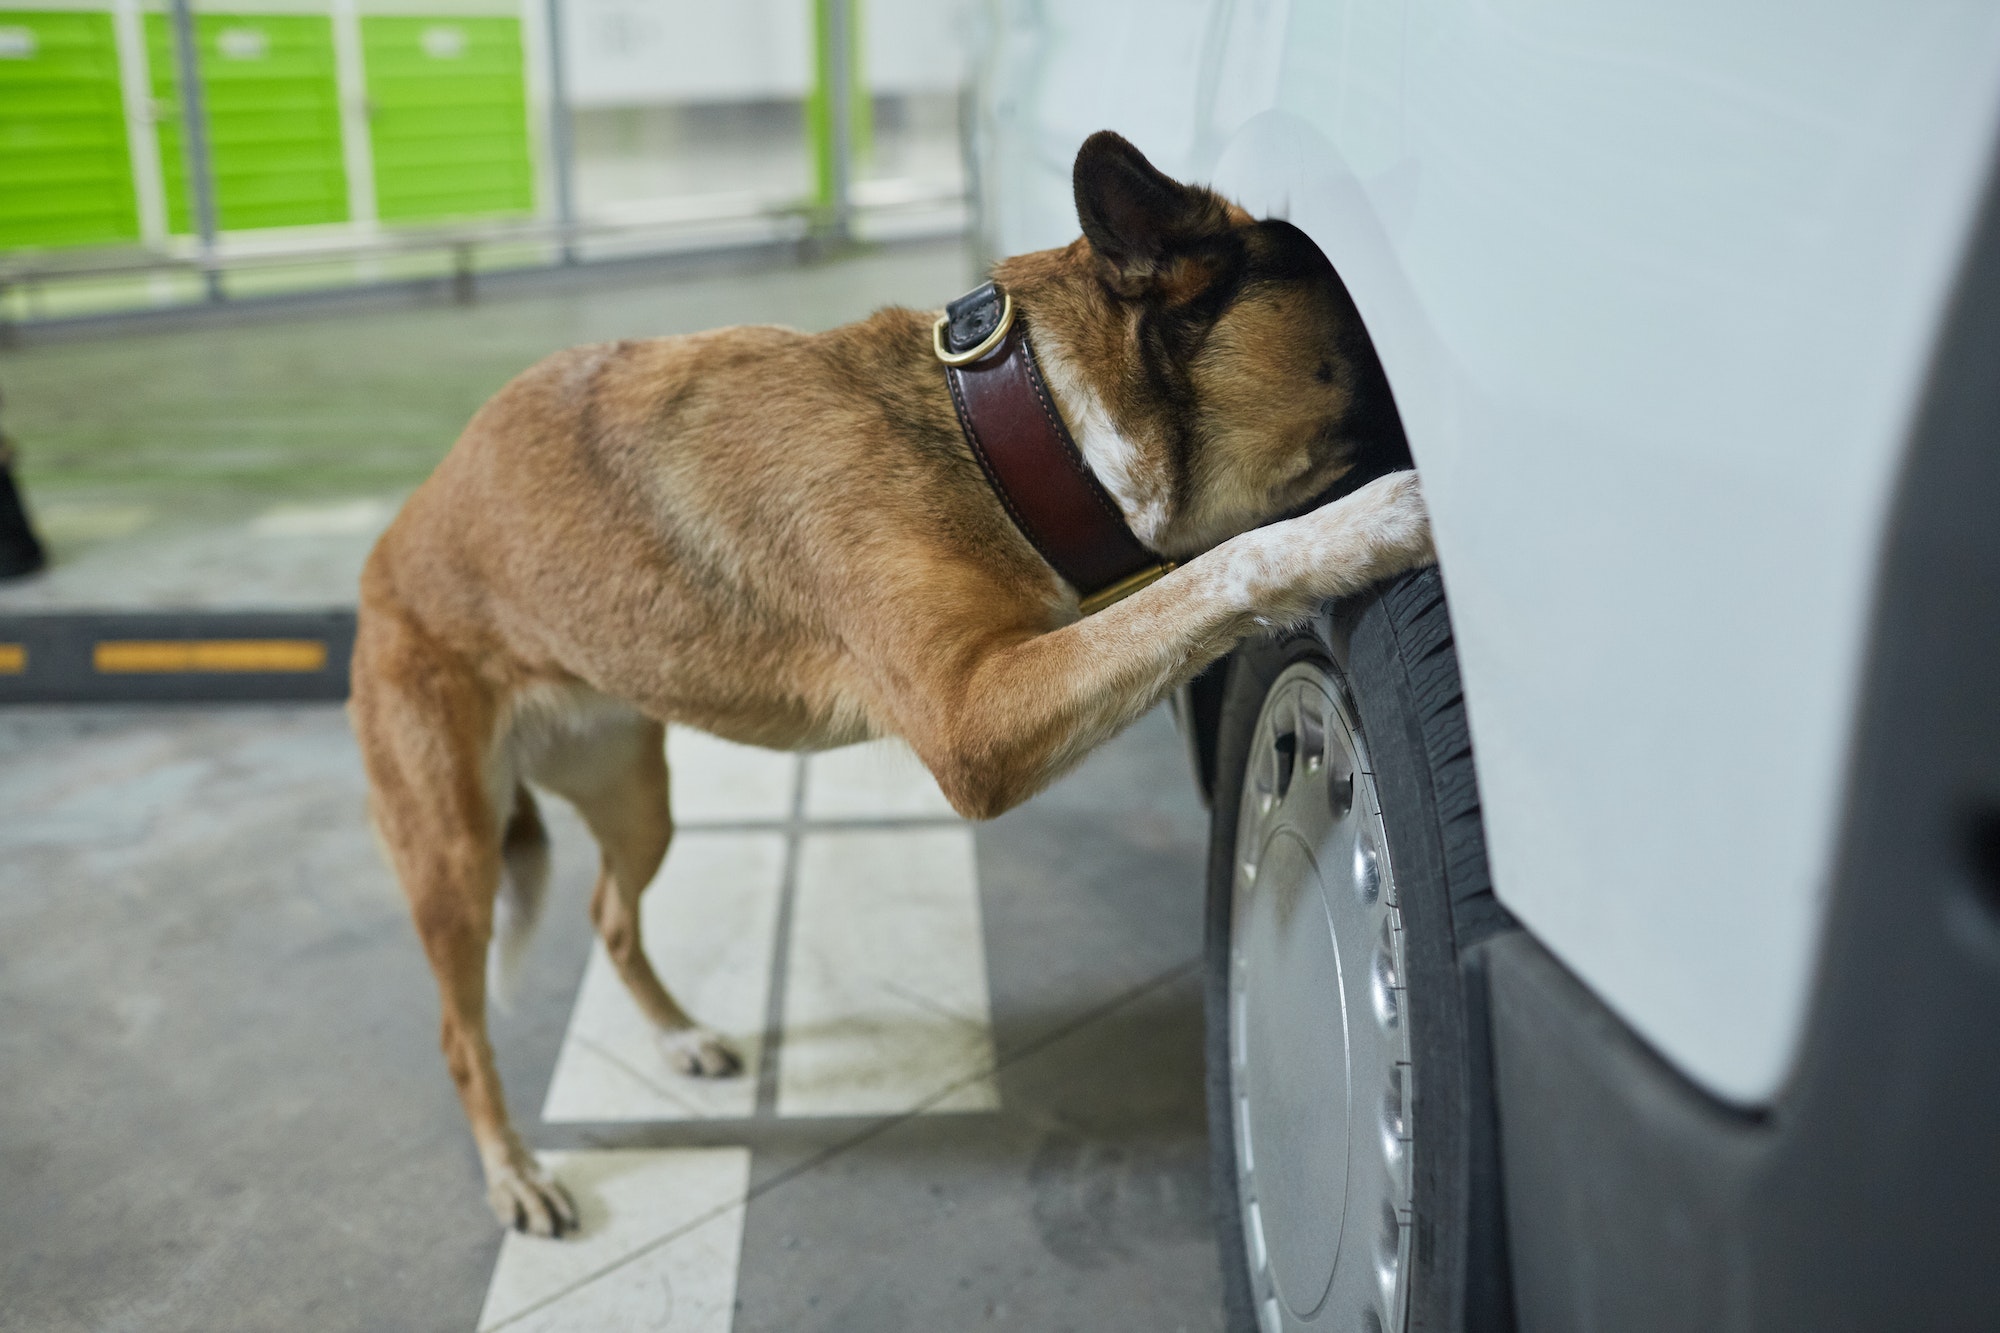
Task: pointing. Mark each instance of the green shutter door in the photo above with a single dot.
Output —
(65, 170)
(273, 119)
(448, 116)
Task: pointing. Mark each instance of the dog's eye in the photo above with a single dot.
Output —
(1325, 372)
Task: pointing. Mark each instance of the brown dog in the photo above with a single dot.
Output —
(784, 539)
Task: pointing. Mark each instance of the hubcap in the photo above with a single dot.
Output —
(1319, 1041)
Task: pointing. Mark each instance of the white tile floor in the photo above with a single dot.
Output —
(708, 922)
(662, 1231)
(885, 1002)
(878, 781)
(852, 868)
(716, 782)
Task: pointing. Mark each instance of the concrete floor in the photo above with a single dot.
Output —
(253, 465)
(223, 1105)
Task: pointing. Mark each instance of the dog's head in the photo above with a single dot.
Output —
(1224, 350)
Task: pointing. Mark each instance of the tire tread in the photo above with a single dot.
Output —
(1421, 623)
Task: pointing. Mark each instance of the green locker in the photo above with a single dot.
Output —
(448, 116)
(273, 105)
(65, 168)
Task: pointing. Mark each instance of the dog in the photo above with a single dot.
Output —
(790, 540)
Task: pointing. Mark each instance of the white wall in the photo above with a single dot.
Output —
(644, 52)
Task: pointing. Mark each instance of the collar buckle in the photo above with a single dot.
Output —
(985, 345)
(1124, 588)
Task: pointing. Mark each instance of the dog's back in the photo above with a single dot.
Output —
(657, 517)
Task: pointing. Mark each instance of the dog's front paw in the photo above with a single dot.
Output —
(1279, 574)
(1387, 521)
(699, 1053)
(527, 1198)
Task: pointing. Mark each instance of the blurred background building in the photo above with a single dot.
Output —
(261, 259)
(163, 152)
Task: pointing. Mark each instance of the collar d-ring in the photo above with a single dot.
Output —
(985, 345)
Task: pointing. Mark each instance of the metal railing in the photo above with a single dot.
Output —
(826, 220)
(460, 247)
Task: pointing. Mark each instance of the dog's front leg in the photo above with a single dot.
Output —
(1003, 719)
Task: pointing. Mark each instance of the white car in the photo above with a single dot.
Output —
(1650, 978)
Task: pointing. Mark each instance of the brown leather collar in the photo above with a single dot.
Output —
(1011, 422)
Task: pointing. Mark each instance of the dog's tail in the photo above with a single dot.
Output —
(524, 880)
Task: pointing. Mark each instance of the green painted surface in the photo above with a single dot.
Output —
(819, 103)
(448, 117)
(65, 170)
(273, 115)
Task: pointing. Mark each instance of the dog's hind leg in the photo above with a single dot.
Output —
(615, 773)
(426, 727)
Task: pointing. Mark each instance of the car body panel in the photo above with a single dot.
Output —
(1656, 287)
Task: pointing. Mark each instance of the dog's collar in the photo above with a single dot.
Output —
(1010, 420)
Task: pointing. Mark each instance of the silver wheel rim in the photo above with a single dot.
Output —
(1320, 1075)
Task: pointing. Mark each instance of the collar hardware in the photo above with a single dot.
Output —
(1125, 587)
(1014, 430)
(985, 345)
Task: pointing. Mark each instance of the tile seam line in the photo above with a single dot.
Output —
(802, 824)
(778, 974)
(1129, 996)
(690, 1111)
(918, 1000)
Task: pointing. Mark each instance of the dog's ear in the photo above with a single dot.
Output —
(1135, 217)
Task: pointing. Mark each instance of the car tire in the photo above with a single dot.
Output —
(1378, 1012)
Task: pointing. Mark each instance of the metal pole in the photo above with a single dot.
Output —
(194, 143)
(969, 144)
(562, 144)
(839, 74)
